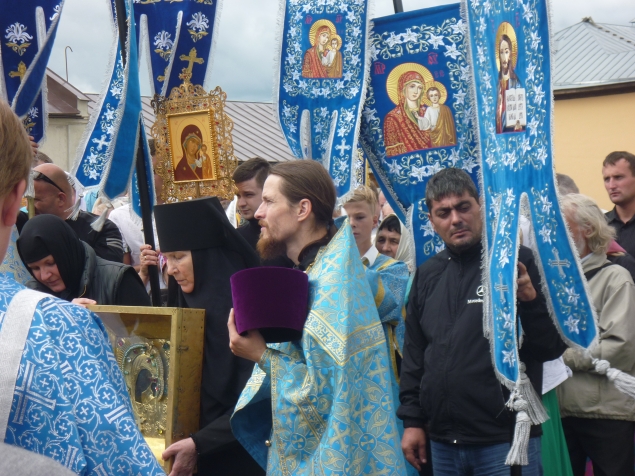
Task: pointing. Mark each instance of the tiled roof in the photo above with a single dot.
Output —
(590, 54)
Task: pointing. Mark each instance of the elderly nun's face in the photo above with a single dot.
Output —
(181, 267)
(46, 272)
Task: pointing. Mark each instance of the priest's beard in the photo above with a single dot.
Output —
(269, 247)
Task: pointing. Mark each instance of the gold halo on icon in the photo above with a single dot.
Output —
(505, 28)
(392, 83)
(317, 25)
(443, 93)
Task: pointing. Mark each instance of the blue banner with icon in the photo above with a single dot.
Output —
(322, 81)
(510, 51)
(418, 115)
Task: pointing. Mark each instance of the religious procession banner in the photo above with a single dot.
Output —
(511, 56)
(418, 116)
(169, 32)
(322, 81)
(28, 29)
(107, 154)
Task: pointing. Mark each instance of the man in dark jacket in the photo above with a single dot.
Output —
(448, 389)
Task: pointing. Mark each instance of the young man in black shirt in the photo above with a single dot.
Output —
(249, 178)
(618, 171)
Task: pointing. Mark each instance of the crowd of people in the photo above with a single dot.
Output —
(392, 375)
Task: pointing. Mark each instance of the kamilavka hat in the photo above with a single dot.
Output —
(273, 300)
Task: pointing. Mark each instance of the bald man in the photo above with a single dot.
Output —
(55, 196)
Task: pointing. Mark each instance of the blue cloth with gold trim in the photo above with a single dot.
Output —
(12, 266)
(407, 139)
(388, 280)
(325, 403)
(28, 30)
(168, 31)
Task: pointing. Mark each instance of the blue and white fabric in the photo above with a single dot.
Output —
(167, 31)
(108, 154)
(70, 402)
(320, 91)
(28, 29)
(326, 402)
(517, 164)
(429, 46)
(12, 266)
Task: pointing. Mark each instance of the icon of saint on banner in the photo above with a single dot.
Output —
(511, 105)
(324, 58)
(420, 120)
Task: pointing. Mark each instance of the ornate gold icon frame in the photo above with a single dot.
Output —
(189, 101)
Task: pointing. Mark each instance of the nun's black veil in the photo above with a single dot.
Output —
(218, 251)
(46, 235)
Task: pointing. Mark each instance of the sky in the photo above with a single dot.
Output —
(246, 43)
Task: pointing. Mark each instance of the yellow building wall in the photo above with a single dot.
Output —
(586, 131)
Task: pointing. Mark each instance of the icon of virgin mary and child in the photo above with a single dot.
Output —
(420, 120)
(195, 164)
(323, 59)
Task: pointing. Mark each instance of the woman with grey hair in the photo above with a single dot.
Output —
(598, 419)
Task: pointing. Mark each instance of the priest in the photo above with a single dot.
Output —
(323, 404)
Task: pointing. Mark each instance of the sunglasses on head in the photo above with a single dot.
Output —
(44, 178)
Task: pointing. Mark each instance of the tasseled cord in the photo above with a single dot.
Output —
(624, 382)
(98, 224)
(529, 411)
(30, 187)
(75, 209)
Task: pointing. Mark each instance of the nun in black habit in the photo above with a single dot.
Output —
(66, 267)
(203, 251)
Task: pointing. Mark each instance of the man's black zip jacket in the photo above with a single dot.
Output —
(447, 383)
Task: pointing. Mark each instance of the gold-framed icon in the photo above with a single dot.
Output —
(194, 148)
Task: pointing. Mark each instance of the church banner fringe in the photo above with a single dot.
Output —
(418, 118)
(511, 55)
(321, 81)
(28, 31)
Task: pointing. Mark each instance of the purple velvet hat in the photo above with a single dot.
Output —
(272, 300)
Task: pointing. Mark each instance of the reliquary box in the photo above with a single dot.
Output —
(160, 353)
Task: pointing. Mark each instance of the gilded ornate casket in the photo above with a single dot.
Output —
(160, 353)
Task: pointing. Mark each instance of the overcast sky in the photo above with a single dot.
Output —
(243, 66)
